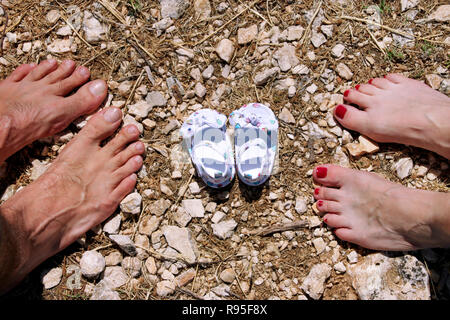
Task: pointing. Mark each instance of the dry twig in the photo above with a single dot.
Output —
(279, 228)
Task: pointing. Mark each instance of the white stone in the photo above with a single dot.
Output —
(112, 225)
(94, 31)
(173, 8)
(319, 245)
(314, 283)
(344, 71)
(286, 116)
(247, 35)
(224, 229)
(301, 205)
(125, 243)
(62, 46)
(52, 278)
(156, 99)
(286, 57)
(92, 264)
(131, 203)
(128, 119)
(165, 288)
(338, 50)
(225, 49)
(149, 224)
(38, 169)
(140, 109)
(217, 217)
(294, 33)
(318, 39)
(227, 275)
(202, 9)
(132, 266)
(53, 16)
(181, 240)
(194, 188)
(194, 207)
(262, 77)
(115, 277)
(379, 277)
(403, 167)
(441, 14)
(352, 257)
(102, 291)
(408, 4)
(200, 90)
(208, 72)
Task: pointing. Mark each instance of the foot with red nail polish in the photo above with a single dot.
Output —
(81, 189)
(34, 102)
(399, 110)
(367, 210)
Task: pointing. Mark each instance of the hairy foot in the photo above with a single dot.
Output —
(33, 102)
(374, 213)
(400, 110)
(81, 189)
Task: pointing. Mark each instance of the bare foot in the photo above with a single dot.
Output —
(34, 105)
(377, 214)
(82, 188)
(400, 110)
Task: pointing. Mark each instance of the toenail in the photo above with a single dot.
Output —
(320, 203)
(139, 147)
(112, 115)
(33, 65)
(340, 111)
(51, 61)
(97, 88)
(316, 191)
(321, 172)
(67, 62)
(132, 130)
(83, 71)
(325, 220)
(370, 81)
(138, 159)
(346, 93)
(357, 86)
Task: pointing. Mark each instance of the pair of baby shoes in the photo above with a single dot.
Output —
(255, 144)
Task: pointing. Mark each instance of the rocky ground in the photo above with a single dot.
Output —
(174, 238)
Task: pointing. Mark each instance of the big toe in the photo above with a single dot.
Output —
(351, 117)
(331, 175)
(88, 98)
(101, 125)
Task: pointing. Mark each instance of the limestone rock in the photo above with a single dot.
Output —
(434, 81)
(102, 291)
(344, 71)
(365, 146)
(115, 277)
(92, 264)
(286, 57)
(194, 207)
(202, 9)
(224, 229)
(159, 207)
(227, 275)
(403, 167)
(185, 277)
(52, 278)
(314, 283)
(132, 203)
(156, 99)
(149, 224)
(286, 116)
(379, 277)
(247, 35)
(94, 31)
(262, 77)
(338, 50)
(132, 266)
(294, 33)
(173, 8)
(140, 109)
(112, 225)
(441, 14)
(125, 243)
(165, 288)
(225, 50)
(408, 4)
(181, 240)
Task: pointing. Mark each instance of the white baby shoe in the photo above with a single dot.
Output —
(204, 135)
(255, 142)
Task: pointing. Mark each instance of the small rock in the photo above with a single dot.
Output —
(225, 50)
(181, 240)
(149, 224)
(102, 291)
(319, 245)
(132, 266)
(286, 116)
(38, 169)
(156, 99)
(338, 50)
(408, 4)
(262, 77)
(340, 267)
(200, 90)
(286, 57)
(441, 14)
(113, 259)
(202, 9)
(301, 205)
(194, 207)
(318, 39)
(132, 203)
(94, 31)
(150, 264)
(52, 278)
(165, 288)
(115, 277)
(294, 33)
(227, 275)
(314, 283)
(403, 167)
(125, 243)
(224, 229)
(365, 146)
(434, 81)
(159, 207)
(92, 264)
(185, 277)
(344, 71)
(53, 16)
(173, 8)
(172, 125)
(352, 257)
(140, 109)
(208, 72)
(112, 225)
(247, 35)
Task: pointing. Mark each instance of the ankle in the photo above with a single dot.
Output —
(440, 219)
(5, 128)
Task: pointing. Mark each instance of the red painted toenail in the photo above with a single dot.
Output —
(346, 93)
(316, 191)
(320, 203)
(370, 81)
(340, 111)
(321, 172)
(325, 220)
(357, 86)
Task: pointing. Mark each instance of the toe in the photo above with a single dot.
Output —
(21, 72)
(132, 150)
(323, 193)
(71, 81)
(128, 134)
(132, 165)
(395, 77)
(357, 97)
(328, 206)
(336, 221)
(367, 89)
(124, 188)
(345, 234)
(43, 69)
(64, 70)
(86, 99)
(381, 83)
(101, 125)
(330, 175)
(351, 117)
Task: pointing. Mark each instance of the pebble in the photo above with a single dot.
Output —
(208, 72)
(441, 14)
(194, 207)
(102, 291)
(247, 35)
(344, 71)
(173, 8)
(51, 278)
(294, 33)
(225, 50)
(149, 224)
(301, 205)
(262, 77)
(125, 243)
(165, 288)
(202, 9)
(132, 266)
(224, 229)
(338, 50)
(159, 207)
(318, 39)
(131, 203)
(53, 16)
(92, 264)
(227, 275)
(112, 225)
(365, 146)
(115, 277)
(94, 31)
(113, 259)
(340, 268)
(156, 99)
(434, 81)
(408, 4)
(200, 90)
(140, 109)
(286, 57)
(352, 257)
(319, 245)
(314, 283)
(286, 116)
(181, 240)
(185, 277)
(403, 167)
